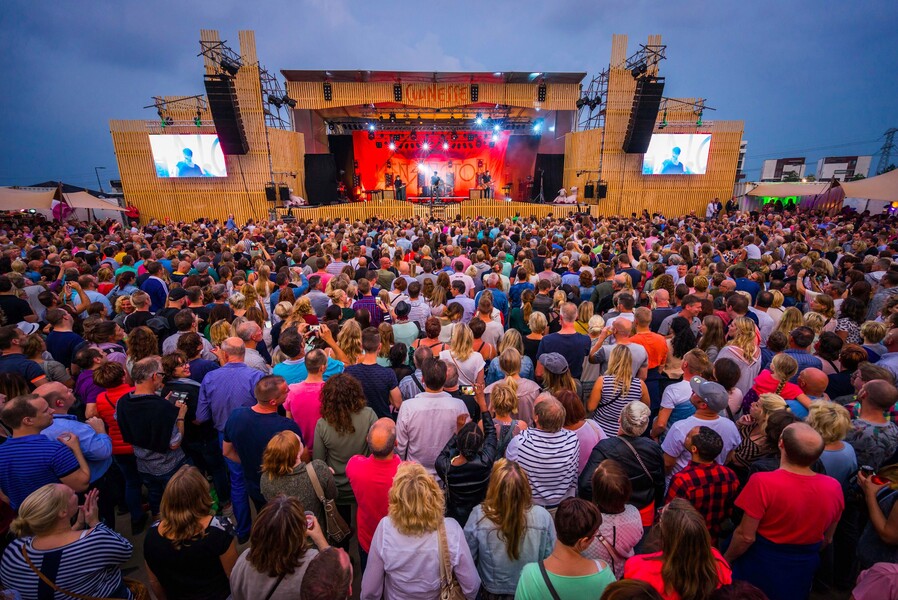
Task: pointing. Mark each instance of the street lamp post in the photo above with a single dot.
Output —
(97, 171)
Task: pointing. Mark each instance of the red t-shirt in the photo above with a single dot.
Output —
(647, 567)
(370, 479)
(802, 507)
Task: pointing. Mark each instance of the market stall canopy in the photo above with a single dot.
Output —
(882, 187)
(85, 200)
(13, 199)
(785, 190)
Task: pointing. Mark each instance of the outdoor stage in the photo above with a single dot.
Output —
(387, 209)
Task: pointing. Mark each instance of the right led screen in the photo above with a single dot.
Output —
(677, 154)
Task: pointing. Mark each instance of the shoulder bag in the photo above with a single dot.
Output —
(638, 458)
(138, 590)
(613, 553)
(450, 589)
(337, 529)
(552, 590)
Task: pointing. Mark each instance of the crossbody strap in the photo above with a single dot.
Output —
(272, 590)
(445, 561)
(52, 584)
(638, 458)
(552, 590)
(313, 477)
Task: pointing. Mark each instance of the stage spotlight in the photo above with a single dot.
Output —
(663, 123)
(538, 125)
(229, 66)
(699, 122)
(420, 120)
(392, 146)
(454, 136)
(274, 100)
(497, 127)
(289, 101)
(397, 92)
(445, 145)
(370, 135)
(425, 146)
(541, 93)
(478, 143)
(168, 122)
(414, 136)
(330, 126)
(639, 70)
(495, 138)
(475, 92)
(328, 91)
(371, 127)
(581, 103)
(552, 129)
(198, 119)
(392, 117)
(478, 119)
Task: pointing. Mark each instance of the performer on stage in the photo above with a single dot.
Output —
(399, 188)
(487, 184)
(435, 185)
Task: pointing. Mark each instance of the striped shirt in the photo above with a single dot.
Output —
(88, 566)
(550, 461)
(31, 461)
(613, 401)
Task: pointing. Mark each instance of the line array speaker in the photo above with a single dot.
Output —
(222, 96)
(643, 115)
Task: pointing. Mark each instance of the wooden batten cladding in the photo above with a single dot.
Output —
(310, 95)
(394, 209)
(628, 189)
(242, 192)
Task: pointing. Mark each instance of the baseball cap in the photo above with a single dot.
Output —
(713, 394)
(554, 363)
(177, 294)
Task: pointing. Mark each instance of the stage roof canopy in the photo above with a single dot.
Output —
(881, 187)
(432, 77)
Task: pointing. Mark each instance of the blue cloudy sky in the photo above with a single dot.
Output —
(808, 78)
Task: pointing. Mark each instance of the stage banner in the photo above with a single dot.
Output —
(436, 94)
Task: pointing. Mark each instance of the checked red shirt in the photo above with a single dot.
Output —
(711, 489)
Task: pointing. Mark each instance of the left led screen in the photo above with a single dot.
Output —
(179, 155)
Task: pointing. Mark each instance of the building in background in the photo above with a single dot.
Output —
(843, 168)
(740, 164)
(783, 169)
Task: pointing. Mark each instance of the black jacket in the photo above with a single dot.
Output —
(467, 483)
(645, 490)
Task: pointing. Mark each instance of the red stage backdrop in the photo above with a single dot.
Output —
(510, 160)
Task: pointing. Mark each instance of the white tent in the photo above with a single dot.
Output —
(882, 187)
(85, 200)
(13, 199)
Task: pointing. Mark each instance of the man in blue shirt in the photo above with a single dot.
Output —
(800, 341)
(294, 370)
(224, 390)
(744, 284)
(13, 360)
(29, 460)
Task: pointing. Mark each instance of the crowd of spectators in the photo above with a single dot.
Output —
(649, 407)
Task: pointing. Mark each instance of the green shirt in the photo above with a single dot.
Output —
(532, 586)
(335, 449)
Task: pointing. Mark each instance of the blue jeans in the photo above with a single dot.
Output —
(206, 454)
(127, 464)
(156, 486)
(239, 495)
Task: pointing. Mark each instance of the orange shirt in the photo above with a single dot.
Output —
(655, 346)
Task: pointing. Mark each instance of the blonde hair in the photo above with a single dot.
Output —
(537, 322)
(386, 339)
(815, 321)
(778, 299)
(350, 340)
(280, 454)
(504, 398)
(461, 343)
(832, 421)
(41, 510)
(237, 301)
(745, 339)
(783, 368)
(585, 311)
(219, 332)
(769, 403)
(416, 503)
(792, 318)
(511, 339)
(185, 502)
(874, 331)
(263, 281)
(620, 366)
(507, 502)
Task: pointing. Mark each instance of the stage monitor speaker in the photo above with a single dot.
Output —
(643, 115)
(589, 190)
(222, 95)
(271, 193)
(284, 193)
(603, 190)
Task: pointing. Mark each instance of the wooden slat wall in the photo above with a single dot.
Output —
(243, 191)
(628, 189)
(310, 95)
(394, 209)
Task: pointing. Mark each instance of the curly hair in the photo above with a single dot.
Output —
(142, 342)
(341, 397)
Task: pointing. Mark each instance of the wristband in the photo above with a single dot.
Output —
(179, 420)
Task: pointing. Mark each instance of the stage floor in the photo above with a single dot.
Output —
(395, 209)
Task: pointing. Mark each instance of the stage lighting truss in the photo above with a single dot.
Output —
(274, 99)
(176, 112)
(223, 56)
(687, 116)
(643, 63)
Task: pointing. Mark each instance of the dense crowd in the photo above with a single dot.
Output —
(620, 408)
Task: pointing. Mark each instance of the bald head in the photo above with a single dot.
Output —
(727, 286)
(813, 381)
(621, 328)
(382, 438)
(234, 349)
(879, 394)
(801, 445)
(58, 396)
(662, 297)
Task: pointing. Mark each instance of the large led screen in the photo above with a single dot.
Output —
(177, 155)
(677, 154)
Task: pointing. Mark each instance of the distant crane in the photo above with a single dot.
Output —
(885, 153)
